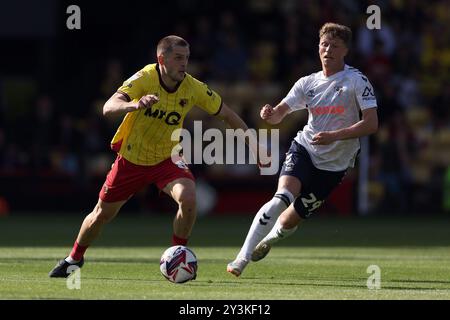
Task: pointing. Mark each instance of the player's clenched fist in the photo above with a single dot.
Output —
(147, 101)
(266, 112)
(324, 137)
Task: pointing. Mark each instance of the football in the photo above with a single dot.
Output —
(178, 264)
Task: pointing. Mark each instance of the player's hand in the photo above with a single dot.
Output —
(147, 101)
(323, 138)
(266, 112)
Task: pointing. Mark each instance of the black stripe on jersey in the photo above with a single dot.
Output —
(220, 107)
(359, 72)
(163, 85)
(355, 70)
(125, 95)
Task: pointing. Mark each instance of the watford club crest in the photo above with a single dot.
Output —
(183, 102)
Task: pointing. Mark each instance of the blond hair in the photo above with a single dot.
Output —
(337, 31)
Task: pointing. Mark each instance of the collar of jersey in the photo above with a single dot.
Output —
(161, 82)
(334, 76)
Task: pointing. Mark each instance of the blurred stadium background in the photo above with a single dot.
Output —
(54, 141)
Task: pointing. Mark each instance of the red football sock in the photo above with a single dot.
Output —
(78, 251)
(178, 241)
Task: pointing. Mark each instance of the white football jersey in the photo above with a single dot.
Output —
(333, 103)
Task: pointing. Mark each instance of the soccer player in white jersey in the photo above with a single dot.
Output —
(322, 152)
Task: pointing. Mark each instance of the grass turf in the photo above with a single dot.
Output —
(327, 258)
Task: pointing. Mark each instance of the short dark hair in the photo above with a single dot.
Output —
(166, 44)
(337, 31)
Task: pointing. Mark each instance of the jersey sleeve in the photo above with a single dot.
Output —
(365, 95)
(207, 99)
(295, 99)
(133, 88)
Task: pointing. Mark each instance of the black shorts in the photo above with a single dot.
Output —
(316, 184)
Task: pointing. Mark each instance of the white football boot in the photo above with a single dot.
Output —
(237, 266)
(261, 250)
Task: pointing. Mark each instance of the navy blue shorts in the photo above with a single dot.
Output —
(316, 184)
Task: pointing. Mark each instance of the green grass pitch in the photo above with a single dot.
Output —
(327, 258)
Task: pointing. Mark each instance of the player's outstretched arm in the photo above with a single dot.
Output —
(230, 117)
(118, 104)
(366, 126)
(274, 115)
(234, 121)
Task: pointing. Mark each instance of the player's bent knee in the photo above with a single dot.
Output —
(188, 209)
(103, 215)
(289, 221)
(289, 184)
(187, 201)
(100, 217)
(104, 212)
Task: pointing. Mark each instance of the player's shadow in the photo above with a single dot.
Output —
(352, 258)
(93, 260)
(362, 285)
(422, 281)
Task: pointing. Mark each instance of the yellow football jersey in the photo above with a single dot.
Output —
(144, 136)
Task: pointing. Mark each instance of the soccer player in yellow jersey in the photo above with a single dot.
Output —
(155, 102)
